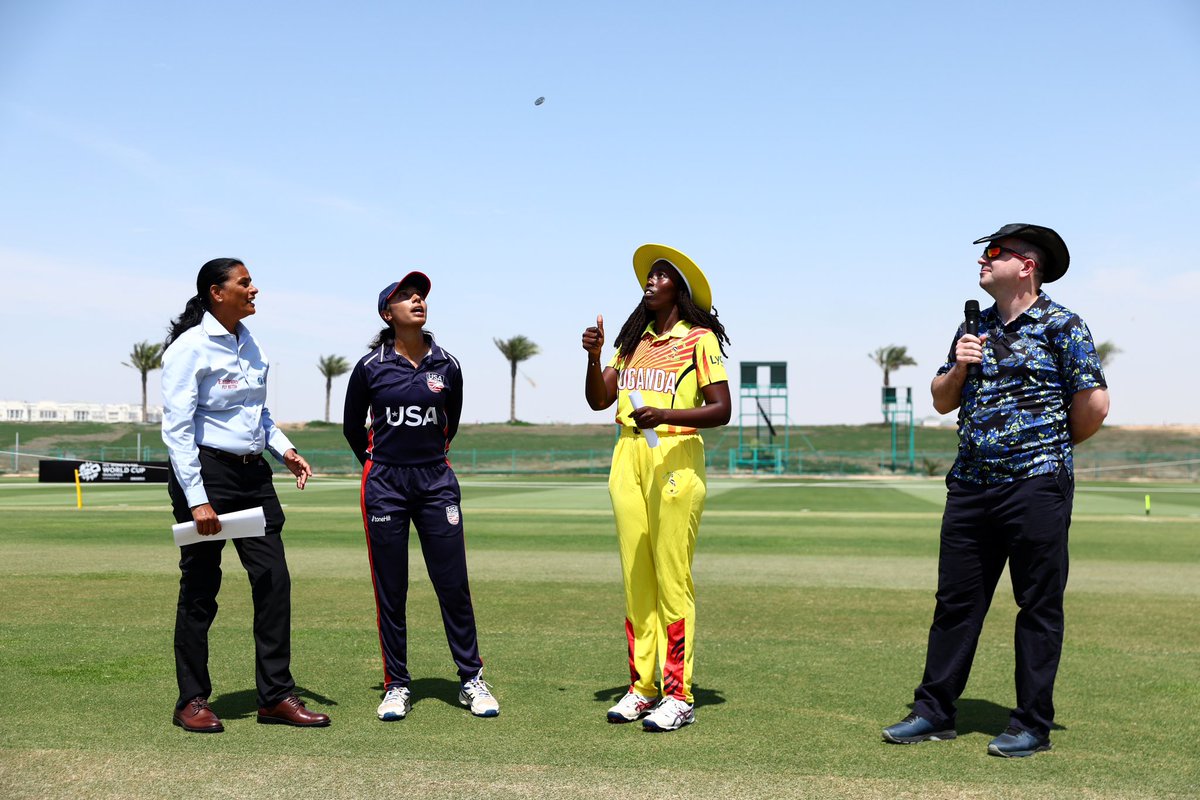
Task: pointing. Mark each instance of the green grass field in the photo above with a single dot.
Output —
(814, 602)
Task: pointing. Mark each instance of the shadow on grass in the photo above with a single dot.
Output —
(703, 697)
(244, 704)
(984, 716)
(431, 689)
(981, 716)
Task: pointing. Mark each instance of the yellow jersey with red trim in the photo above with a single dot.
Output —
(669, 370)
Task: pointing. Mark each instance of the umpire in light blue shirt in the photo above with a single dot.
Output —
(216, 426)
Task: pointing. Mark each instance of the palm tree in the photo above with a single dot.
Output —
(1105, 351)
(516, 350)
(890, 358)
(145, 357)
(331, 367)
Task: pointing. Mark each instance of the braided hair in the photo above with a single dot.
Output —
(631, 332)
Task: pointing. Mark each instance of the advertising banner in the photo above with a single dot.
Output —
(103, 471)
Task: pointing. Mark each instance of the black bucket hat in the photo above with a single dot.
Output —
(1058, 258)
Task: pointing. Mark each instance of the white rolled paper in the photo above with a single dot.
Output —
(234, 525)
(635, 397)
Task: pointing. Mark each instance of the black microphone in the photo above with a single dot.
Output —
(971, 326)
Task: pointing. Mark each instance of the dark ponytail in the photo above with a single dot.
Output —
(214, 273)
(385, 336)
(388, 336)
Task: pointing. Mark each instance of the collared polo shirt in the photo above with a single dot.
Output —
(1013, 420)
(401, 415)
(670, 370)
(214, 386)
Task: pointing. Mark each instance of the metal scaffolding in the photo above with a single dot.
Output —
(762, 417)
(898, 412)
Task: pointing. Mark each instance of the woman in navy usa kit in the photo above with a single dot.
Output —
(408, 390)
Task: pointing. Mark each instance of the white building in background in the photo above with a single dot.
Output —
(48, 411)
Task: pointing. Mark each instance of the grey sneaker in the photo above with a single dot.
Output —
(1016, 743)
(915, 728)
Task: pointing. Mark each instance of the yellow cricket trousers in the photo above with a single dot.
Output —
(657, 498)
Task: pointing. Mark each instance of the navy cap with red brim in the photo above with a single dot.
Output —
(417, 280)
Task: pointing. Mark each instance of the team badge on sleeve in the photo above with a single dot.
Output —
(435, 382)
(452, 515)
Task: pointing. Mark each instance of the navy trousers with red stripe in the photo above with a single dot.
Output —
(429, 498)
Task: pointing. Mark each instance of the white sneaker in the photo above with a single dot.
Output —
(670, 715)
(632, 706)
(396, 704)
(477, 695)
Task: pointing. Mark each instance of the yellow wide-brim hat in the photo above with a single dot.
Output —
(697, 284)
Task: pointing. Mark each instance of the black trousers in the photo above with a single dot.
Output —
(234, 487)
(429, 498)
(1024, 523)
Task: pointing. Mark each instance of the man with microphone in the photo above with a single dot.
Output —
(1027, 383)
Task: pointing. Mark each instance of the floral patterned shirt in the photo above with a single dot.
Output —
(1013, 419)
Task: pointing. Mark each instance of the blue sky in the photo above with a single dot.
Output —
(828, 165)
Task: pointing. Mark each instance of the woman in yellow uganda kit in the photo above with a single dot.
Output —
(668, 380)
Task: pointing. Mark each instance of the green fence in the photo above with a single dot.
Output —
(721, 460)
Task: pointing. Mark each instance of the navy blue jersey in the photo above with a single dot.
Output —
(1014, 421)
(402, 415)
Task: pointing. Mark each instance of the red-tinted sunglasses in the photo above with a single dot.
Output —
(994, 251)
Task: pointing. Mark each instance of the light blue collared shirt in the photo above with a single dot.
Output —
(214, 387)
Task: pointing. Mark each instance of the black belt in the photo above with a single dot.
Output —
(232, 458)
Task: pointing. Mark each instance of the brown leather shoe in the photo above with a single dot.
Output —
(197, 717)
(291, 711)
